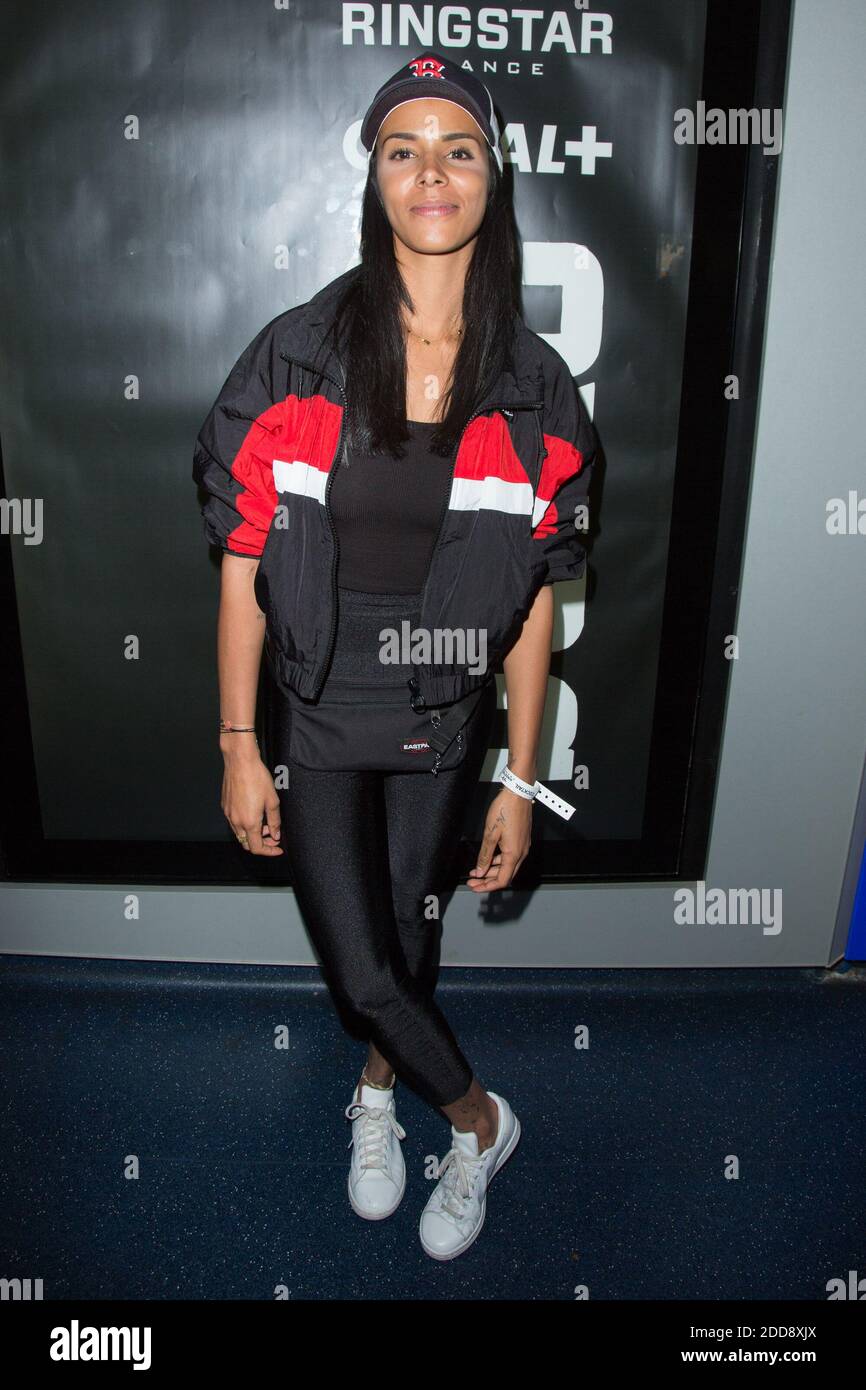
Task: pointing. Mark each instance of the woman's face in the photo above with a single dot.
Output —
(432, 168)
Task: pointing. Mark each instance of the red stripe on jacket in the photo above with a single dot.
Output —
(563, 461)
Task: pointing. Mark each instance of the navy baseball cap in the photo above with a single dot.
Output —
(431, 75)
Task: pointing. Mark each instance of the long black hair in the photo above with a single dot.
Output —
(368, 330)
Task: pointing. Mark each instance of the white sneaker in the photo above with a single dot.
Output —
(377, 1174)
(454, 1215)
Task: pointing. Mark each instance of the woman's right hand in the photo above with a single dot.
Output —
(250, 802)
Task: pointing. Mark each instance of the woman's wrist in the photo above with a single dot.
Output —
(238, 744)
(524, 768)
(520, 789)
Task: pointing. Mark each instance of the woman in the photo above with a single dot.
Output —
(338, 534)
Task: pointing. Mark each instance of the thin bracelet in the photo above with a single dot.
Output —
(227, 727)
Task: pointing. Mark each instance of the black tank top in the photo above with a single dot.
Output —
(386, 513)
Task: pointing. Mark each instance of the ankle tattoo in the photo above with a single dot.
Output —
(468, 1113)
(379, 1085)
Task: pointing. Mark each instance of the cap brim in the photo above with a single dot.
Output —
(418, 89)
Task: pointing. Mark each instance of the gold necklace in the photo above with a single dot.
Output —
(428, 340)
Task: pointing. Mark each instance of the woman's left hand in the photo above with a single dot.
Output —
(506, 841)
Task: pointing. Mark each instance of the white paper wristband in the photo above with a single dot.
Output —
(536, 792)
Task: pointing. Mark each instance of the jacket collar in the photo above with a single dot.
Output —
(307, 326)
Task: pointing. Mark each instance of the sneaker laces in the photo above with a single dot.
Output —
(460, 1171)
(372, 1133)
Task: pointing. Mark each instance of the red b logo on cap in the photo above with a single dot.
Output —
(426, 67)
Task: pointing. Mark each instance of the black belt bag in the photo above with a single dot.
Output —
(346, 733)
(369, 717)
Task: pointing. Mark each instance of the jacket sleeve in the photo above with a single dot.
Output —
(570, 443)
(233, 456)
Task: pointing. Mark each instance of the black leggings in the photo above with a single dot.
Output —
(367, 850)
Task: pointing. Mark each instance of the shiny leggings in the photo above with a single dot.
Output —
(366, 851)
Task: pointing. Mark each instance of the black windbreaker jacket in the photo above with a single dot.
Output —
(266, 452)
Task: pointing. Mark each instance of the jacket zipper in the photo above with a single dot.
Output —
(417, 700)
(340, 447)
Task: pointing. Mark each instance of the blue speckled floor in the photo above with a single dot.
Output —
(618, 1182)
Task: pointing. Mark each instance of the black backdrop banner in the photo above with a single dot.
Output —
(176, 174)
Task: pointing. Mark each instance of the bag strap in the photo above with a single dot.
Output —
(442, 735)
